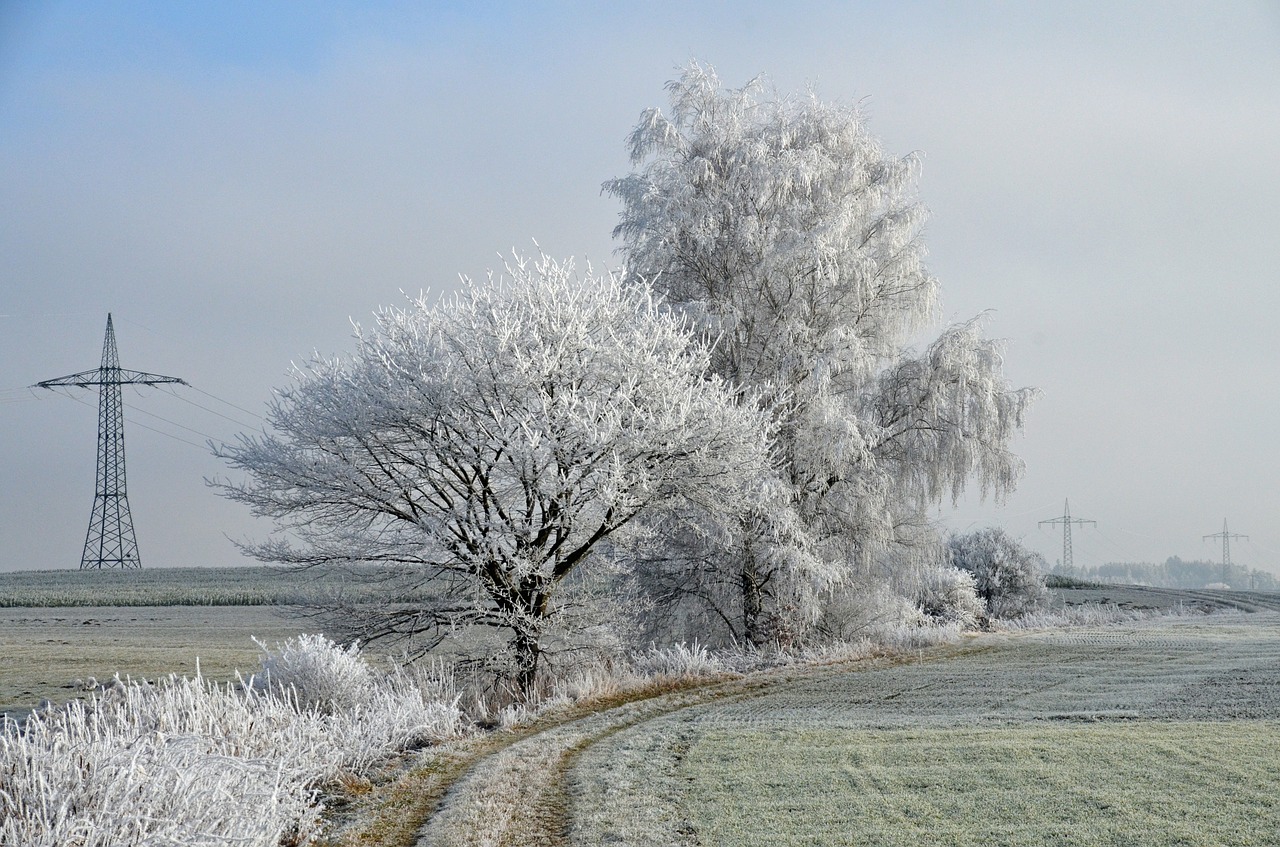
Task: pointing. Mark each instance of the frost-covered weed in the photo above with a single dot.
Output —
(903, 637)
(680, 660)
(186, 761)
(159, 764)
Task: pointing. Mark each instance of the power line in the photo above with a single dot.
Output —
(191, 402)
(171, 423)
(229, 403)
(138, 423)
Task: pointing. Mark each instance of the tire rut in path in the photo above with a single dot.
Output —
(518, 796)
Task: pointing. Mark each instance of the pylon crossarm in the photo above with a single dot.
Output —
(84, 379)
(140, 378)
(118, 376)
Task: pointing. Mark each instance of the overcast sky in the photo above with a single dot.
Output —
(237, 182)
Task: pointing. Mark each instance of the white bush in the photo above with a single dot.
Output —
(317, 672)
(949, 595)
(1008, 576)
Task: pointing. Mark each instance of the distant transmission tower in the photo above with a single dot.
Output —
(1066, 520)
(1226, 547)
(110, 542)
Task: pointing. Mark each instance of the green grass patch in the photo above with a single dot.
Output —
(1133, 784)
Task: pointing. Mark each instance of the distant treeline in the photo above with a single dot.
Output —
(1176, 573)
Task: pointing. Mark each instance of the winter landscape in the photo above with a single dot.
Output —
(723, 541)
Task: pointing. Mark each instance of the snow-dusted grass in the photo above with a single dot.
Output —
(1085, 615)
(185, 761)
(1093, 784)
(1131, 733)
(188, 761)
(520, 793)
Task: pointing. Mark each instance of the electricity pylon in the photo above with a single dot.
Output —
(1066, 520)
(1226, 547)
(110, 541)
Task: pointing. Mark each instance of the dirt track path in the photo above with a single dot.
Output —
(615, 777)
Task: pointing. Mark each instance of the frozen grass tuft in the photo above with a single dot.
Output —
(186, 761)
(902, 637)
(1092, 614)
(680, 660)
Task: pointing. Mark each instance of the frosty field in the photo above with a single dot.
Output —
(1162, 732)
(60, 626)
(1106, 783)
(1155, 732)
(44, 650)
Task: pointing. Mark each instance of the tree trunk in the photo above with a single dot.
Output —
(527, 653)
(752, 598)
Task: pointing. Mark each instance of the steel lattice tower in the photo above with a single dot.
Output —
(1226, 547)
(110, 541)
(1066, 520)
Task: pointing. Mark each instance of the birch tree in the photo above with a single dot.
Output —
(783, 229)
(490, 445)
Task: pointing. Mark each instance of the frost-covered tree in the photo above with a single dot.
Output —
(792, 240)
(1008, 576)
(489, 445)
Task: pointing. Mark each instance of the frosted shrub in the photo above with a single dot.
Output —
(1008, 576)
(852, 613)
(319, 673)
(949, 595)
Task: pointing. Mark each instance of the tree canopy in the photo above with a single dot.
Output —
(492, 442)
(791, 239)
